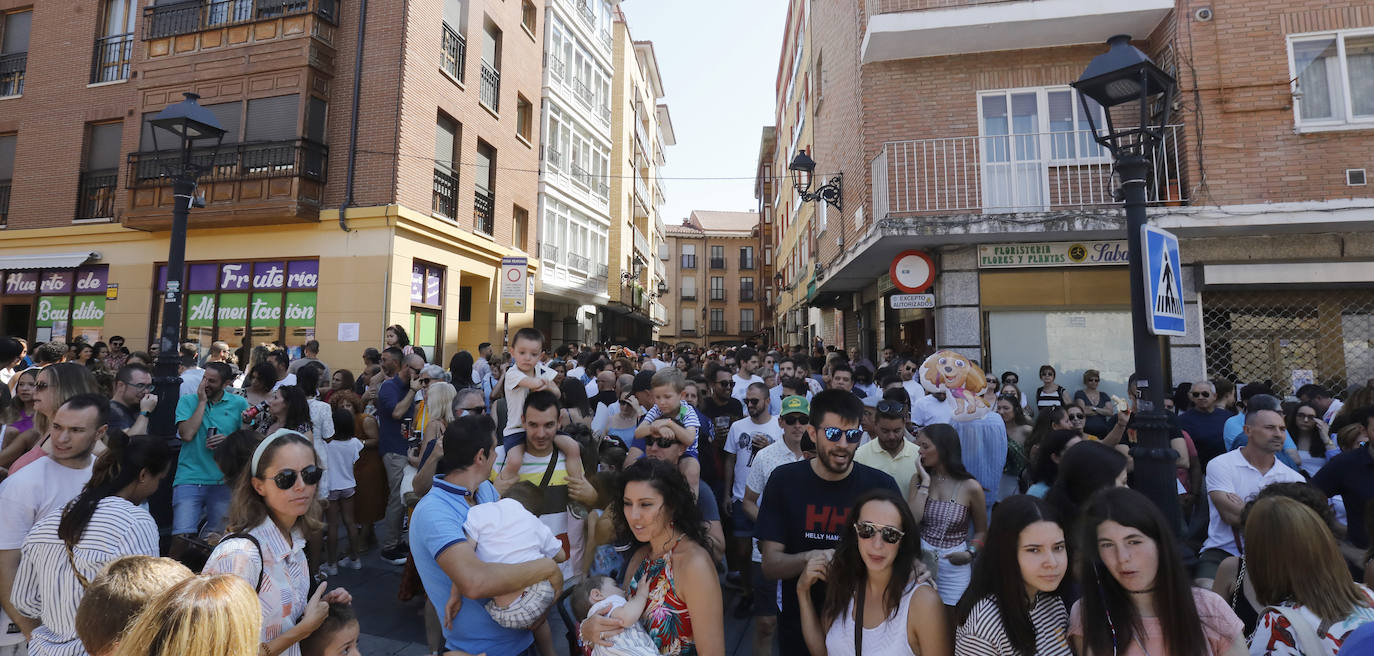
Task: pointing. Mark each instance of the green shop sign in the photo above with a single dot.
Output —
(300, 309)
(89, 311)
(53, 310)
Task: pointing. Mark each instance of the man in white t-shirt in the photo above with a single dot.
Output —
(748, 361)
(931, 409)
(1233, 480)
(46, 485)
(651, 352)
(906, 368)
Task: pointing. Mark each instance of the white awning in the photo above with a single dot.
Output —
(68, 260)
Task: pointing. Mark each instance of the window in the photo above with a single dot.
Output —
(6, 174)
(445, 177)
(1333, 79)
(689, 288)
(528, 15)
(746, 289)
(427, 307)
(522, 227)
(717, 288)
(14, 52)
(271, 122)
(746, 257)
(100, 176)
(484, 182)
(768, 256)
(717, 257)
(453, 49)
(689, 256)
(491, 68)
(524, 118)
(717, 321)
(689, 320)
(114, 43)
(1023, 133)
(746, 321)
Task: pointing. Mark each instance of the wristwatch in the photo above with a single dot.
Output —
(147, 413)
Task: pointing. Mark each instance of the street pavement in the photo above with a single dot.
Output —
(392, 628)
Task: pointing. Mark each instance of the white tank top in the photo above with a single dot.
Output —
(887, 639)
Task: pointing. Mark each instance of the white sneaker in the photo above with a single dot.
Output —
(351, 563)
(329, 569)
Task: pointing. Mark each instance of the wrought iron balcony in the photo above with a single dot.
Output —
(454, 53)
(12, 69)
(717, 329)
(4, 202)
(746, 293)
(491, 87)
(689, 261)
(602, 270)
(548, 252)
(445, 194)
(746, 262)
(579, 262)
(557, 67)
(717, 294)
(584, 95)
(689, 294)
(96, 194)
(580, 175)
(606, 40)
(483, 211)
(230, 162)
(585, 10)
(717, 263)
(196, 15)
(111, 58)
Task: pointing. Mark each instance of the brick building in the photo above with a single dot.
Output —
(959, 136)
(715, 279)
(436, 168)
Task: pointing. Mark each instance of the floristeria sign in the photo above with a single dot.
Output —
(1054, 254)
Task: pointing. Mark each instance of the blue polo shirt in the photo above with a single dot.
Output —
(196, 463)
(436, 525)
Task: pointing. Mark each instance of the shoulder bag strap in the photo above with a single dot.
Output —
(859, 621)
(1309, 643)
(262, 564)
(548, 473)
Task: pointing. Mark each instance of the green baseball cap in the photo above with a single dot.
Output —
(796, 404)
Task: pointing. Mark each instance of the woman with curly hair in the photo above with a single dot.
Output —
(871, 580)
(672, 556)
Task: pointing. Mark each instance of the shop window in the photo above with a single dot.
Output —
(427, 308)
(246, 303)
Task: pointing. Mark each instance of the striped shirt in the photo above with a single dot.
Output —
(285, 576)
(983, 634)
(46, 588)
(565, 527)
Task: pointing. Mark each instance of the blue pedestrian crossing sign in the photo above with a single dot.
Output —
(1163, 294)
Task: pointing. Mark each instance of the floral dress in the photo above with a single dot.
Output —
(665, 615)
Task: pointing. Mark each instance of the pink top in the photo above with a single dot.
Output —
(1219, 624)
(29, 456)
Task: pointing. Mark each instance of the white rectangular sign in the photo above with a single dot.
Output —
(911, 301)
(514, 286)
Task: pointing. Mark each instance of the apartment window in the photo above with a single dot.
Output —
(270, 132)
(427, 306)
(1333, 79)
(1013, 121)
(746, 321)
(768, 256)
(689, 288)
(453, 50)
(6, 175)
(445, 174)
(689, 256)
(689, 321)
(528, 15)
(746, 257)
(746, 289)
(14, 51)
(717, 321)
(491, 68)
(100, 175)
(521, 217)
(484, 182)
(717, 288)
(524, 118)
(717, 257)
(114, 43)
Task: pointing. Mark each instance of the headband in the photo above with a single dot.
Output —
(262, 447)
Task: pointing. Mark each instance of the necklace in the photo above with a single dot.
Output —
(668, 546)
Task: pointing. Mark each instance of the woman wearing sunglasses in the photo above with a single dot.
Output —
(273, 507)
(871, 577)
(946, 509)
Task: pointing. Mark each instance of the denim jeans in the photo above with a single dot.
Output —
(191, 503)
(395, 464)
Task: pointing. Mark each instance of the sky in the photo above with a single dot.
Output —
(719, 62)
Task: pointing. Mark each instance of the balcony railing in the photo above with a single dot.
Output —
(557, 67)
(580, 175)
(642, 243)
(746, 293)
(875, 7)
(602, 270)
(12, 69)
(4, 202)
(1036, 172)
(689, 261)
(96, 193)
(234, 162)
(585, 10)
(606, 40)
(454, 53)
(491, 87)
(483, 211)
(746, 263)
(196, 15)
(548, 252)
(111, 58)
(717, 329)
(746, 327)
(579, 262)
(583, 94)
(605, 114)
(445, 194)
(642, 199)
(553, 157)
(717, 263)
(688, 332)
(717, 294)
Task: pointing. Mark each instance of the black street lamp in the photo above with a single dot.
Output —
(1115, 79)
(188, 123)
(803, 170)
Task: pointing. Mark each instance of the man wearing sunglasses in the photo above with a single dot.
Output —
(746, 438)
(1205, 422)
(893, 451)
(906, 368)
(805, 505)
(132, 404)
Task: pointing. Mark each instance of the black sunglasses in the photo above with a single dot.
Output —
(753, 401)
(891, 407)
(867, 530)
(662, 442)
(286, 478)
(852, 435)
(793, 420)
(1201, 395)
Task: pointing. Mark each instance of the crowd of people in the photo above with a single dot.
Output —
(842, 506)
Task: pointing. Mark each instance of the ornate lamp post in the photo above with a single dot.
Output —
(187, 123)
(1116, 79)
(803, 170)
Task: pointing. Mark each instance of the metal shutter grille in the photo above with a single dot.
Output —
(104, 147)
(272, 119)
(445, 132)
(7, 157)
(230, 117)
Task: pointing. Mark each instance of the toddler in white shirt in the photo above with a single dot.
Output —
(508, 532)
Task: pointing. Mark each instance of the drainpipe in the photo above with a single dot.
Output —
(353, 116)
